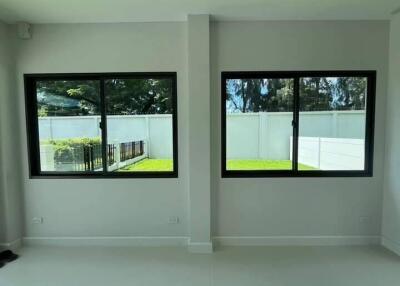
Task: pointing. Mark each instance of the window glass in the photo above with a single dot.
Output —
(139, 124)
(102, 125)
(68, 120)
(259, 114)
(332, 122)
(297, 123)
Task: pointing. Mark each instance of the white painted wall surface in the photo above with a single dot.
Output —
(298, 206)
(240, 207)
(10, 176)
(391, 204)
(198, 47)
(117, 207)
(3, 93)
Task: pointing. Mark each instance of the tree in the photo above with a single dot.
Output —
(259, 95)
(351, 93)
(123, 97)
(276, 95)
(315, 94)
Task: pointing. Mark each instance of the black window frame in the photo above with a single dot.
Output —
(296, 75)
(32, 124)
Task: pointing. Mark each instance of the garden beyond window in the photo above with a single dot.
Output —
(116, 125)
(297, 123)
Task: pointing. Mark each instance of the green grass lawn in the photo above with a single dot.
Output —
(264, 165)
(149, 165)
(166, 165)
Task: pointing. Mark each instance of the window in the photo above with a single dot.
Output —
(315, 123)
(102, 125)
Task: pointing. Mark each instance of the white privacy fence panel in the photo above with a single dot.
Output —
(249, 135)
(156, 130)
(266, 135)
(331, 153)
(69, 127)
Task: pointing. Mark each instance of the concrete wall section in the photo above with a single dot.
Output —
(299, 206)
(391, 203)
(118, 207)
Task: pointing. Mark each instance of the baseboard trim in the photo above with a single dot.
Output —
(200, 247)
(107, 241)
(391, 245)
(205, 247)
(13, 245)
(295, 240)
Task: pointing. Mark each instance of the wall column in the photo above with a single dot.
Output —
(11, 224)
(199, 133)
(391, 197)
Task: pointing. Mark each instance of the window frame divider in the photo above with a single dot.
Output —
(103, 125)
(295, 126)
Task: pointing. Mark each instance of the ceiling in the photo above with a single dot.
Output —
(106, 11)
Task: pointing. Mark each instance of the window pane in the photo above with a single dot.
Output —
(259, 114)
(69, 134)
(139, 124)
(332, 122)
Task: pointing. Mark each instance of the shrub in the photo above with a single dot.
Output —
(71, 150)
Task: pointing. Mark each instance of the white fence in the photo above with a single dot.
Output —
(267, 135)
(47, 162)
(154, 129)
(331, 153)
(249, 135)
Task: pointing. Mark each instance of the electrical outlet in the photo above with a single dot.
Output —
(173, 220)
(37, 220)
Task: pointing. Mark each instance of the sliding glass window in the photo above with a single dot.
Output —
(102, 125)
(315, 123)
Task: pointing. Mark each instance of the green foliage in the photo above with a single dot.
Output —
(276, 95)
(71, 150)
(260, 95)
(264, 165)
(123, 97)
(69, 98)
(156, 165)
(138, 96)
(42, 111)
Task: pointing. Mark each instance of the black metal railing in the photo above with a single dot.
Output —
(93, 159)
(111, 154)
(130, 150)
(90, 157)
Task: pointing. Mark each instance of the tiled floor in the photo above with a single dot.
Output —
(244, 266)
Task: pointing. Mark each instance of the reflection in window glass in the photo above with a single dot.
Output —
(68, 119)
(139, 123)
(259, 114)
(332, 122)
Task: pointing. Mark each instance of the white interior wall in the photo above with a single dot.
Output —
(200, 124)
(391, 202)
(10, 177)
(3, 93)
(240, 207)
(98, 207)
(298, 206)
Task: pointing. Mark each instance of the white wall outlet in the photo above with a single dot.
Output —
(173, 220)
(37, 220)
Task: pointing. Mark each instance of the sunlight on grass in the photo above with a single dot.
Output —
(159, 165)
(264, 165)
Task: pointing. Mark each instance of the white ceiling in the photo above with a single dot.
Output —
(105, 11)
